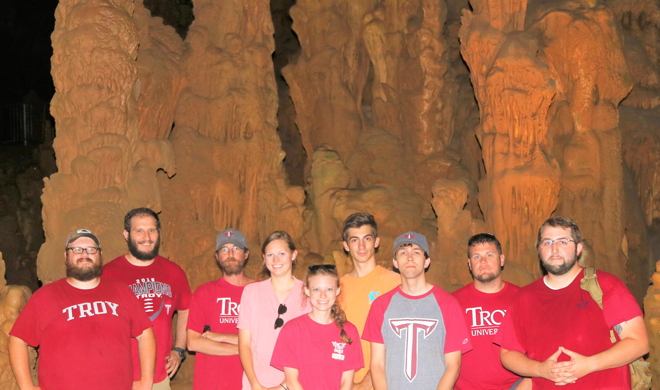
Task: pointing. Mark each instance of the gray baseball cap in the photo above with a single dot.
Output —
(81, 233)
(230, 236)
(411, 238)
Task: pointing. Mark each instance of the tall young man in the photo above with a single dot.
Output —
(161, 287)
(367, 280)
(83, 326)
(484, 304)
(556, 333)
(213, 316)
(417, 331)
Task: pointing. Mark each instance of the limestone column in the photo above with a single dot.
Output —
(514, 91)
(104, 168)
(229, 157)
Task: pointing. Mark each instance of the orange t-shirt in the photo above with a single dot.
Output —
(356, 296)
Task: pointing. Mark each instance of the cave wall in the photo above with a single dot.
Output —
(448, 118)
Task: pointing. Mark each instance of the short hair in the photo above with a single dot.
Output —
(140, 212)
(274, 236)
(484, 238)
(562, 222)
(357, 220)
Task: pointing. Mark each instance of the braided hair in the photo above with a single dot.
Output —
(336, 312)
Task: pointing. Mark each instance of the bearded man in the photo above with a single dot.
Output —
(484, 303)
(83, 326)
(212, 331)
(160, 285)
(557, 334)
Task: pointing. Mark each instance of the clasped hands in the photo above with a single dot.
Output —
(566, 372)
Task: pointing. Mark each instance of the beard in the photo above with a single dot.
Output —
(140, 255)
(560, 269)
(487, 278)
(232, 266)
(83, 274)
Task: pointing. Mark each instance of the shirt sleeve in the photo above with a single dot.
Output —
(354, 359)
(619, 305)
(196, 319)
(139, 319)
(27, 326)
(507, 336)
(372, 328)
(183, 289)
(458, 338)
(245, 314)
(284, 354)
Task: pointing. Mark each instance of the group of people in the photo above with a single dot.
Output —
(371, 328)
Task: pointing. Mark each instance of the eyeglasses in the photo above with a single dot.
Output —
(279, 322)
(316, 267)
(560, 241)
(78, 250)
(226, 249)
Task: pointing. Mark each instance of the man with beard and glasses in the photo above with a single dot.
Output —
(160, 285)
(555, 332)
(212, 331)
(83, 326)
(484, 303)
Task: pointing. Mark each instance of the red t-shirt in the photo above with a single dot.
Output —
(216, 304)
(161, 287)
(540, 320)
(84, 336)
(481, 368)
(317, 352)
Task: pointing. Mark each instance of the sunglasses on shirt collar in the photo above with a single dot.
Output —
(279, 322)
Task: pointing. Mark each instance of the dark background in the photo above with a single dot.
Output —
(25, 28)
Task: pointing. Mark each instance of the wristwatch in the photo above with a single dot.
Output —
(180, 351)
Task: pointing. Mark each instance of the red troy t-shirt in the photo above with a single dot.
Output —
(161, 287)
(481, 368)
(317, 352)
(540, 320)
(216, 304)
(84, 336)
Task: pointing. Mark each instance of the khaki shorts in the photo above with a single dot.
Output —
(164, 385)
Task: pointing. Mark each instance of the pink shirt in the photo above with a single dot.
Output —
(258, 313)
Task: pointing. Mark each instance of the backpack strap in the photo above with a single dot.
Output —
(590, 284)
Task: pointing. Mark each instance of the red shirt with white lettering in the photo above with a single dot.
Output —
(481, 368)
(161, 287)
(317, 352)
(216, 304)
(84, 336)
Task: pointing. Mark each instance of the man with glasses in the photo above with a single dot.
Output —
(83, 326)
(484, 303)
(160, 285)
(213, 316)
(556, 333)
(417, 331)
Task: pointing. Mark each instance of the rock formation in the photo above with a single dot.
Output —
(12, 300)
(377, 112)
(652, 318)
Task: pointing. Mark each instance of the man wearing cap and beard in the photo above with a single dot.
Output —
(416, 330)
(83, 326)
(161, 287)
(213, 316)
